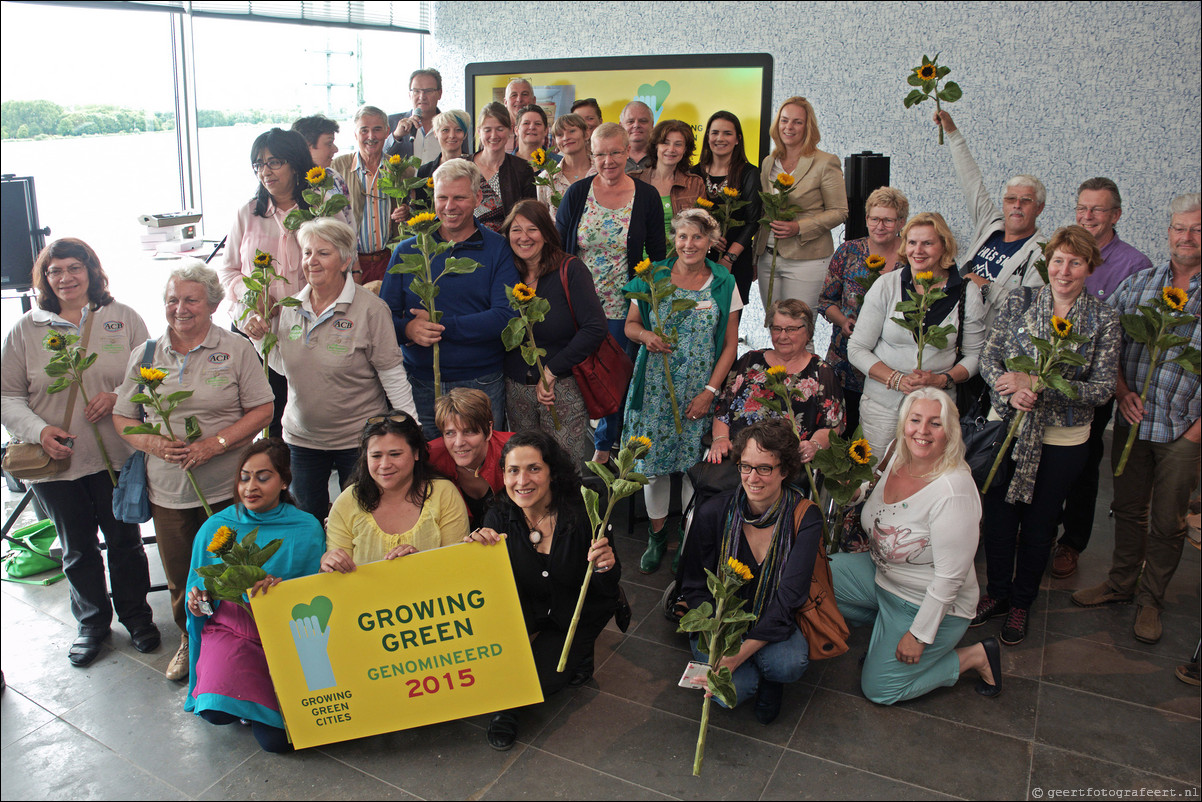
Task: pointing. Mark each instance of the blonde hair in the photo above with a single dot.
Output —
(890, 198)
(471, 407)
(935, 220)
(809, 143)
(953, 453)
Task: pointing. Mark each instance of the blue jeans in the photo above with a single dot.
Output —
(311, 476)
(492, 384)
(609, 430)
(784, 661)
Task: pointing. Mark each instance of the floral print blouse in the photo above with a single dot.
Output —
(603, 235)
(741, 402)
(845, 292)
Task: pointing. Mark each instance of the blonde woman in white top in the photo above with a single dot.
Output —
(916, 584)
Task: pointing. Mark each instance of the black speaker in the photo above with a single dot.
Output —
(23, 237)
(863, 172)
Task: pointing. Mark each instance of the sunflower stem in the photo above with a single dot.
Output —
(771, 280)
(1131, 433)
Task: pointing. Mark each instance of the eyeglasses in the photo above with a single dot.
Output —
(58, 272)
(273, 163)
(762, 470)
(786, 329)
(882, 221)
(1094, 209)
(1195, 230)
(1025, 200)
(423, 91)
(396, 417)
(609, 154)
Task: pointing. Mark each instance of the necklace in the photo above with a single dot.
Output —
(535, 534)
(712, 187)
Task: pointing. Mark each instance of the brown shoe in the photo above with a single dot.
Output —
(177, 669)
(1147, 623)
(1064, 562)
(1099, 595)
(1189, 674)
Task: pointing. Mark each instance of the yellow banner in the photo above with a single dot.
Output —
(430, 637)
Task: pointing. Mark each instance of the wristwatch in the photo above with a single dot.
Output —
(951, 382)
(225, 444)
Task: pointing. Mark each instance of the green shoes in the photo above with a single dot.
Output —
(657, 543)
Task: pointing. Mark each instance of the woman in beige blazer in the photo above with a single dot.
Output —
(803, 245)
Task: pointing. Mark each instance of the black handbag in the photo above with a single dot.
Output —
(982, 442)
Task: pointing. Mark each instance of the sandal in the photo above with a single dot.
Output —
(503, 731)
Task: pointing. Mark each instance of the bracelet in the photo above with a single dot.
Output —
(951, 381)
(711, 389)
(719, 437)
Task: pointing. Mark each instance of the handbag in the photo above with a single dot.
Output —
(604, 375)
(819, 618)
(29, 461)
(29, 554)
(131, 496)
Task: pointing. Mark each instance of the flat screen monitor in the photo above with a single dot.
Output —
(687, 88)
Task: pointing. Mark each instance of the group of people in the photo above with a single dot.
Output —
(352, 373)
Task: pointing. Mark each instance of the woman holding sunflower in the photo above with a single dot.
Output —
(855, 267)
(916, 585)
(282, 164)
(1052, 444)
(228, 676)
(766, 524)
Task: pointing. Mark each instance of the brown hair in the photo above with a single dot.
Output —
(659, 135)
(1077, 241)
(552, 254)
(70, 248)
(794, 308)
(473, 407)
(776, 436)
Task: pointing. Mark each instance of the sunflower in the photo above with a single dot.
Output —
(928, 275)
(395, 159)
(1061, 326)
(54, 341)
(316, 176)
(262, 259)
(642, 267)
(522, 293)
(538, 157)
(635, 442)
(784, 180)
(926, 72)
(149, 375)
(221, 539)
(424, 217)
(777, 371)
(730, 192)
(705, 204)
(1175, 297)
(860, 451)
(874, 262)
(737, 568)
(430, 183)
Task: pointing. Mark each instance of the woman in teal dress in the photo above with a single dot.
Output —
(706, 339)
(228, 678)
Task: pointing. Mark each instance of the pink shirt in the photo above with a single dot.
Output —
(251, 233)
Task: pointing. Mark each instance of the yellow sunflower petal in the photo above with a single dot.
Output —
(705, 204)
(739, 569)
(860, 451)
(785, 180)
(777, 371)
(316, 175)
(1061, 326)
(730, 192)
(928, 275)
(642, 267)
(394, 160)
(874, 262)
(1175, 297)
(424, 217)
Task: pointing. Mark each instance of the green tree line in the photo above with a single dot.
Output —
(24, 119)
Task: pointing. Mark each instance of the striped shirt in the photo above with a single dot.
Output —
(1173, 402)
(377, 210)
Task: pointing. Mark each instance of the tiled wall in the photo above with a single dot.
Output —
(1064, 90)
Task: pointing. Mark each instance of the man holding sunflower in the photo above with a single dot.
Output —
(1162, 469)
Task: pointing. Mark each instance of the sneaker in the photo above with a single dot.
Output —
(1014, 631)
(1099, 595)
(177, 669)
(1064, 562)
(1188, 674)
(1147, 623)
(989, 607)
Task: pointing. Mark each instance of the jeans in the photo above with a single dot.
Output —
(311, 476)
(784, 661)
(1077, 517)
(609, 429)
(78, 507)
(1150, 502)
(1015, 562)
(492, 384)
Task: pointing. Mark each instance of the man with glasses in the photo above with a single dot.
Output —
(1151, 497)
(1099, 207)
(411, 131)
(375, 213)
(1005, 242)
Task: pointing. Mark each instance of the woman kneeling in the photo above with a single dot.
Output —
(756, 524)
(916, 584)
(228, 677)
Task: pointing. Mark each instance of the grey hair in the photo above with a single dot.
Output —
(636, 103)
(609, 131)
(949, 416)
(456, 117)
(700, 218)
(456, 169)
(333, 231)
(198, 271)
(1184, 204)
(1041, 194)
(370, 111)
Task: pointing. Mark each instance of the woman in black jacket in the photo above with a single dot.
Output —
(506, 178)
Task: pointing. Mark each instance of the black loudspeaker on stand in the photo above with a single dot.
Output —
(24, 236)
(863, 172)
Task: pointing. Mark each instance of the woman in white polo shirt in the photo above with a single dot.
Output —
(339, 352)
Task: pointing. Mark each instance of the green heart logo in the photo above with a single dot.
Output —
(659, 92)
(320, 607)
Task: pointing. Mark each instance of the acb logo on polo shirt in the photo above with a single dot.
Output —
(219, 358)
(343, 324)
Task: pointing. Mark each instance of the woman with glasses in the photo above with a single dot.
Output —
(804, 244)
(758, 525)
(855, 263)
(611, 221)
(396, 504)
(281, 161)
